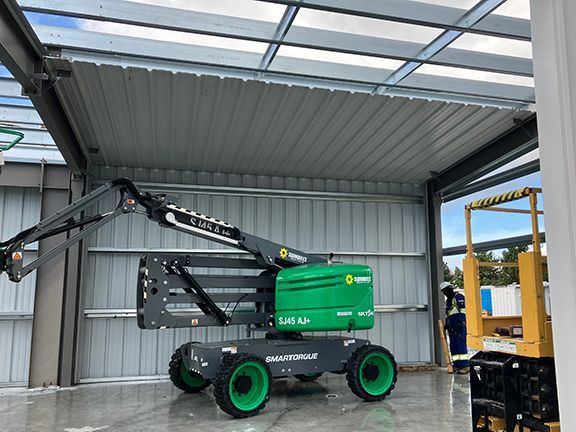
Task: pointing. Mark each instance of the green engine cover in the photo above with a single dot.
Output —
(322, 297)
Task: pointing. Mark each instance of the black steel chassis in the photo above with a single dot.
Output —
(284, 355)
(167, 281)
(520, 390)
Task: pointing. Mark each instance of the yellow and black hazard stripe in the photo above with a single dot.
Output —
(500, 199)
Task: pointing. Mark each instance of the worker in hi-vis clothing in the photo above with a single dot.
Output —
(456, 326)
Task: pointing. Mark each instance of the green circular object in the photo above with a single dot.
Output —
(193, 380)
(259, 389)
(384, 377)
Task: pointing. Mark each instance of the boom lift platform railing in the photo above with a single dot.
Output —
(18, 136)
(291, 292)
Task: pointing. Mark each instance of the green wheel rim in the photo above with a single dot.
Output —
(258, 390)
(383, 381)
(195, 380)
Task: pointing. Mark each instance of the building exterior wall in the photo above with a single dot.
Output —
(378, 224)
(19, 209)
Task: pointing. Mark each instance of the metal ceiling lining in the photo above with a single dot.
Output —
(136, 117)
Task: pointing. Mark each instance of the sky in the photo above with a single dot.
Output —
(486, 225)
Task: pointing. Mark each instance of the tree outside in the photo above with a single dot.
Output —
(510, 275)
(490, 275)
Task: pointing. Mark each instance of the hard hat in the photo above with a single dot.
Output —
(445, 285)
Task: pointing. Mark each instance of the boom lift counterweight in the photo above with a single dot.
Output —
(291, 292)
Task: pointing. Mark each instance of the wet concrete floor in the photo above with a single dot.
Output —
(422, 401)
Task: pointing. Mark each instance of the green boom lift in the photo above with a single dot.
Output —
(285, 293)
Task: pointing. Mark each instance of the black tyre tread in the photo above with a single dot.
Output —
(353, 372)
(308, 378)
(176, 375)
(222, 381)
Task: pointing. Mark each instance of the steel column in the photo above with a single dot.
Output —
(435, 298)
(49, 296)
(56, 306)
(71, 311)
(554, 47)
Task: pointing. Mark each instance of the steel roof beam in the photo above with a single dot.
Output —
(20, 49)
(305, 70)
(281, 31)
(521, 139)
(470, 18)
(523, 240)
(23, 54)
(168, 18)
(495, 180)
(290, 78)
(419, 13)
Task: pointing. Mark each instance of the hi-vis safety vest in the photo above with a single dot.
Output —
(454, 308)
(460, 357)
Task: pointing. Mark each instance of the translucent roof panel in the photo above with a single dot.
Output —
(333, 44)
(445, 71)
(251, 9)
(493, 45)
(513, 8)
(171, 36)
(337, 57)
(364, 26)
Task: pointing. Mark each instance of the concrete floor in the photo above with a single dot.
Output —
(423, 401)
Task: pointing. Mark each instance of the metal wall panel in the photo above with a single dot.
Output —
(388, 236)
(19, 209)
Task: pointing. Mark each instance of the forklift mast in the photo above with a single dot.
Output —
(164, 281)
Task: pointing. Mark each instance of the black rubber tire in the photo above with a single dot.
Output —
(353, 372)
(222, 384)
(176, 375)
(308, 378)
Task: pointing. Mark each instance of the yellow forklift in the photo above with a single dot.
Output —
(512, 375)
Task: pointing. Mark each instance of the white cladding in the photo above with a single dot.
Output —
(19, 209)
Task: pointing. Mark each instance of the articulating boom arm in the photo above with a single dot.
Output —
(164, 281)
(160, 208)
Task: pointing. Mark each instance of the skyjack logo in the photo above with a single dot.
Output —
(367, 313)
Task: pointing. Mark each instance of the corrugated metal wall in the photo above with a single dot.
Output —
(19, 209)
(378, 230)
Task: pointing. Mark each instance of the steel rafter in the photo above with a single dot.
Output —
(281, 32)
(169, 18)
(23, 55)
(419, 13)
(494, 180)
(522, 240)
(521, 139)
(469, 19)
